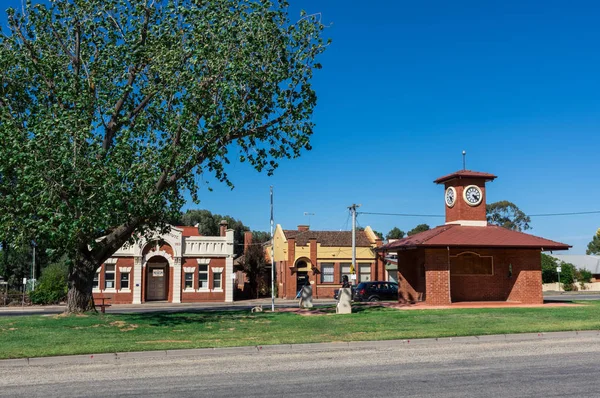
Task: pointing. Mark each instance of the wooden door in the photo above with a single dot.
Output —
(156, 286)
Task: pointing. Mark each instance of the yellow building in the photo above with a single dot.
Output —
(322, 258)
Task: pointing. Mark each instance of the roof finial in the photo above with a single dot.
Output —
(464, 160)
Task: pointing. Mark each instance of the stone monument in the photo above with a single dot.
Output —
(344, 305)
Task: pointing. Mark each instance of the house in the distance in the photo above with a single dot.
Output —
(322, 258)
(466, 259)
(177, 267)
(582, 261)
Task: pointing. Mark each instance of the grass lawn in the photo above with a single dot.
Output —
(38, 335)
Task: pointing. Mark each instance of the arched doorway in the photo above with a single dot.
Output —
(302, 278)
(157, 279)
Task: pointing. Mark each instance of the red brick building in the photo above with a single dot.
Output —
(177, 267)
(322, 259)
(466, 259)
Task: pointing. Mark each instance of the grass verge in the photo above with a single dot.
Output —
(38, 335)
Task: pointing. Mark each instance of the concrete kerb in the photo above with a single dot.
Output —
(291, 348)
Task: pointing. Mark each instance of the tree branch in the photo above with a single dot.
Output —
(114, 124)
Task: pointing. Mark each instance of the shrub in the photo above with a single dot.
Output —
(52, 287)
(583, 275)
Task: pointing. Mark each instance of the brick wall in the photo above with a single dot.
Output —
(461, 210)
(194, 297)
(523, 284)
(411, 282)
(437, 277)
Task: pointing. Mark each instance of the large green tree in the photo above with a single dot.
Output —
(506, 214)
(395, 233)
(254, 262)
(419, 228)
(110, 109)
(209, 223)
(594, 245)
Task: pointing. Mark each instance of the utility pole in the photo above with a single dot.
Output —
(353, 267)
(272, 257)
(33, 269)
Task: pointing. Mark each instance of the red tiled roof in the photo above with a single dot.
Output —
(491, 236)
(189, 231)
(328, 238)
(465, 173)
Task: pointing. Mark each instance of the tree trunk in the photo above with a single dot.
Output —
(81, 277)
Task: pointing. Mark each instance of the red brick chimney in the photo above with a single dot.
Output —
(247, 240)
(223, 227)
(303, 228)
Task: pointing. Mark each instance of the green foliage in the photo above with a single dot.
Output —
(52, 285)
(419, 228)
(395, 233)
(549, 265)
(568, 272)
(254, 265)
(583, 275)
(209, 225)
(506, 214)
(594, 245)
(260, 236)
(109, 109)
(379, 234)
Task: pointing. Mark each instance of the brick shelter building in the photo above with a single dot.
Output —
(466, 259)
(322, 258)
(176, 267)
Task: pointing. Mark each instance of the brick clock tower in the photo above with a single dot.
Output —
(464, 197)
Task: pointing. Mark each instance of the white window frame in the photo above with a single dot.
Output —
(362, 275)
(217, 271)
(205, 287)
(342, 273)
(185, 281)
(97, 280)
(114, 278)
(330, 273)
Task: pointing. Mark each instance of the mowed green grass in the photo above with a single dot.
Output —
(36, 335)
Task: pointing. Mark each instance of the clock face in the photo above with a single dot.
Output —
(472, 195)
(450, 196)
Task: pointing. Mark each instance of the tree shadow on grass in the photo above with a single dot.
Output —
(170, 319)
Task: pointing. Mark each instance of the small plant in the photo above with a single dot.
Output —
(569, 287)
(52, 286)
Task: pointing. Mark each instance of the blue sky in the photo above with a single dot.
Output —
(406, 86)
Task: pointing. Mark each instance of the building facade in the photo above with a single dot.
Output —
(322, 258)
(177, 267)
(466, 259)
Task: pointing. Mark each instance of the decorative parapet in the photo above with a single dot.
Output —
(208, 246)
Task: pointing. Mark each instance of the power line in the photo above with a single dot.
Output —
(400, 214)
(565, 214)
(576, 213)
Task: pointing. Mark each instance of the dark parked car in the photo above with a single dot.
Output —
(336, 291)
(376, 291)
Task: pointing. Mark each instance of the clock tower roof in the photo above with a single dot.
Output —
(465, 174)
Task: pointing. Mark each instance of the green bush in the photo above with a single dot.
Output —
(583, 275)
(52, 285)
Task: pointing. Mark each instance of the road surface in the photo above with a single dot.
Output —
(512, 367)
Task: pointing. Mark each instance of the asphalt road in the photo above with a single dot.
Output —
(571, 296)
(543, 367)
